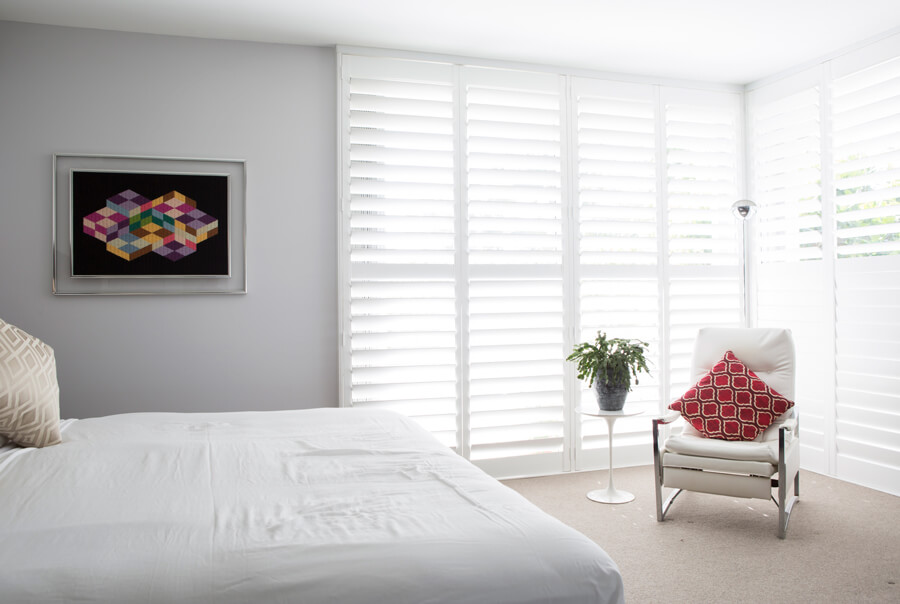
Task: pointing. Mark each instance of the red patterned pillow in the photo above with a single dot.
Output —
(731, 402)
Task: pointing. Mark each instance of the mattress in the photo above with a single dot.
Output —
(321, 505)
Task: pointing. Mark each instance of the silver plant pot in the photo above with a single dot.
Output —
(610, 398)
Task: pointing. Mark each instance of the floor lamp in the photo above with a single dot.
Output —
(744, 209)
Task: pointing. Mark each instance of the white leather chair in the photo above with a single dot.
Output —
(750, 469)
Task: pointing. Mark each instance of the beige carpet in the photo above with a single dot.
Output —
(843, 541)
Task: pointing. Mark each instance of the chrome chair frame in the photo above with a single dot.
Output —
(784, 503)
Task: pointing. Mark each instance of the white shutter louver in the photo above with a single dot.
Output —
(514, 203)
(618, 246)
(400, 171)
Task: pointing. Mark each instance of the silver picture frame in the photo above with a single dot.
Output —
(67, 226)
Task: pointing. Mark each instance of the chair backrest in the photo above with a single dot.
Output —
(767, 352)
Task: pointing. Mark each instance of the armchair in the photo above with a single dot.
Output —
(748, 469)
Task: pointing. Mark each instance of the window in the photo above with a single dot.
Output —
(702, 157)
(658, 257)
(866, 181)
(825, 150)
(513, 207)
(399, 226)
(492, 218)
(619, 254)
(786, 156)
(867, 161)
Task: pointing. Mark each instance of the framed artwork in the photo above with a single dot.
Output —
(148, 225)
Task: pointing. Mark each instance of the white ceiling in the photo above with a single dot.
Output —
(724, 41)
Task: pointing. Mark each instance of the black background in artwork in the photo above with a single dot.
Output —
(90, 190)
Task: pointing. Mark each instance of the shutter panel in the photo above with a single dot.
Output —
(868, 366)
(785, 135)
(867, 161)
(867, 274)
(787, 159)
(515, 297)
(400, 178)
(618, 246)
(702, 134)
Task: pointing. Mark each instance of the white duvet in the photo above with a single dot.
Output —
(322, 505)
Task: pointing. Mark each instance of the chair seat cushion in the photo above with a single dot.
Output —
(698, 446)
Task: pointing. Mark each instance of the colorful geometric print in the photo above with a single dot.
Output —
(131, 225)
(731, 402)
(105, 224)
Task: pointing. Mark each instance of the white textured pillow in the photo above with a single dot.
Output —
(29, 392)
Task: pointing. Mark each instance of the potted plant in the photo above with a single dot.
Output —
(608, 365)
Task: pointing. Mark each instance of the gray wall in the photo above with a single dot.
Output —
(68, 90)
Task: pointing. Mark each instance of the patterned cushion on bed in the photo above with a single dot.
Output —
(29, 392)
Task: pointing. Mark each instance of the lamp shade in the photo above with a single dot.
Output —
(743, 209)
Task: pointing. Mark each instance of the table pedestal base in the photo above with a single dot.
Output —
(610, 495)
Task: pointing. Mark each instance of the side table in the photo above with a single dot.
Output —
(610, 494)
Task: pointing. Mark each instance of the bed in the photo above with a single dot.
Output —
(320, 505)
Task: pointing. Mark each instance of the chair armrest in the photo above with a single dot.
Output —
(791, 425)
(668, 418)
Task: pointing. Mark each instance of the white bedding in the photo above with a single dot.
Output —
(322, 505)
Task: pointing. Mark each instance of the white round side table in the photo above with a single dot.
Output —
(610, 494)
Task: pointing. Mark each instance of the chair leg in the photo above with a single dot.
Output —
(785, 505)
(660, 515)
(664, 507)
(661, 508)
(657, 472)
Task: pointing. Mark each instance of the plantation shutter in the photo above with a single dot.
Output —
(399, 217)
(787, 160)
(867, 273)
(491, 218)
(513, 198)
(868, 366)
(792, 292)
(702, 142)
(618, 251)
(867, 161)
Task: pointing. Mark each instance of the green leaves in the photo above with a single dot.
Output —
(610, 360)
